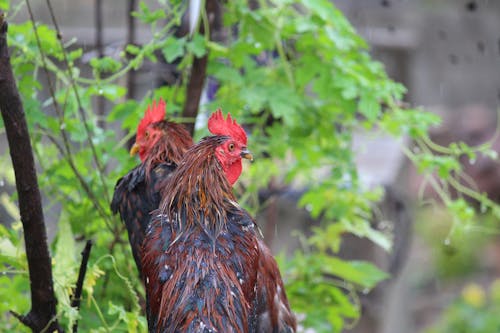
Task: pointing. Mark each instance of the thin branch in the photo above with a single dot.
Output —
(75, 301)
(81, 180)
(43, 301)
(59, 112)
(66, 152)
(81, 111)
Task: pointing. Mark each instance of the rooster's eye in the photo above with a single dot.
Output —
(146, 134)
(231, 147)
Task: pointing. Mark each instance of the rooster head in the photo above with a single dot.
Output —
(231, 151)
(147, 133)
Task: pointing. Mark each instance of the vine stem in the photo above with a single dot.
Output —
(66, 151)
(88, 132)
(83, 183)
(99, 314)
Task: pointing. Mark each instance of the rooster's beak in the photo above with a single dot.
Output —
(134, 150)
(245, 153)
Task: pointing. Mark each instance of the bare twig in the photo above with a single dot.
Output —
(43, 301)
(75, 301)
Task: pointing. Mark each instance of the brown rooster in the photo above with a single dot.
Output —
(160, 144)
(205, 266)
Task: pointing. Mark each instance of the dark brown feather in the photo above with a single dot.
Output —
(137, 193)
(205, 266)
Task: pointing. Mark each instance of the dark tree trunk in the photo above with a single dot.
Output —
(199, 68)
(194, 90)
(43, 301)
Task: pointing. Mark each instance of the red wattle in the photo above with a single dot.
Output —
(233, 171)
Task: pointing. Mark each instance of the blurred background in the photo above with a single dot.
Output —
(447, 54)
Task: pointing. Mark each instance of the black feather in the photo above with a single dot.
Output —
(136, 196)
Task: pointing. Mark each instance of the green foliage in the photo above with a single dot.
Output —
(299, 63)
(458, 256)
(476, 311)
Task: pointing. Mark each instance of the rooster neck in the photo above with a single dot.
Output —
(199, 193)
(170, 146)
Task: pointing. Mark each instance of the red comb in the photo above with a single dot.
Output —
(154, 113)
(217, 125)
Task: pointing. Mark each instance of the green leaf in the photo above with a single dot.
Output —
(322, 8)
(132, 49)
(7, 248)
(111, 91)
(362, 273)
(258, 29)
(64, 256)
(174, 48)
(197, 46)
(123, 110)
(106, 64)
(284, 103)
(132, 321)
(148, 16)
(4, 5)
(369, 107)
(64, 268)
(227, 74)
(76, 54)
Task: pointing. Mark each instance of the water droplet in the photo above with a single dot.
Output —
(472, 161)
(100, 91)
(365, 291)
(2, 183)
(447, 242)
(309, 208)
(62, 127)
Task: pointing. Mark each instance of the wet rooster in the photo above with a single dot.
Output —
(160, 144)
(205, 266)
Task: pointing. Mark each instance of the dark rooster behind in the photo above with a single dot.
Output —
(160, 144)
(205, 266)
